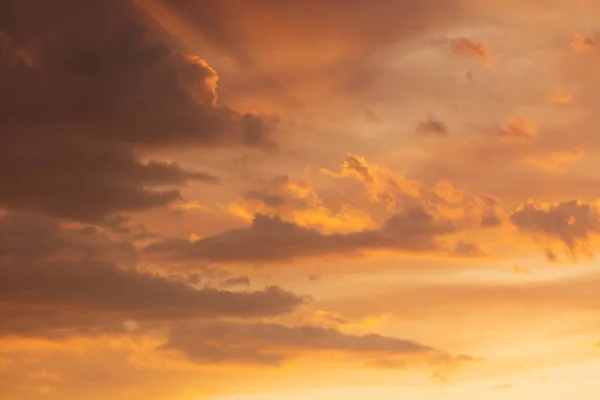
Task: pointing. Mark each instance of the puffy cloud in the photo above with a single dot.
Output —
(442, 200)
(382, 184)
(258, 343)
(297, 201)
(84, 91)
(571, 222)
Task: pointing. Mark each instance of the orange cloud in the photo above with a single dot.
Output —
(519, 129)
(560, 97)
(200, 79)
(519, 269)
(555, 161)
(380, 182)
(467, 47)
(397, 192)
(297, 201)
(583, 43)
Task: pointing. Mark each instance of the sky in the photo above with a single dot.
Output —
(265, 199)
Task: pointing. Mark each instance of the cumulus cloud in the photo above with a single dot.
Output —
(84, 89)
(297, 201)
(442, 199)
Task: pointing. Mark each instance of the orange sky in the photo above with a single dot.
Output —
(241, 200)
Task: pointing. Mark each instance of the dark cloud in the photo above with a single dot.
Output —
(96, 286)
(359, 166)
(269, 239)
(550, 255)
(26, 238)
(256, 343)
(84, 88)
(490, 219)
(571, 222)
(279, 194)
(432, 126)
(57, 278)
(238, 281)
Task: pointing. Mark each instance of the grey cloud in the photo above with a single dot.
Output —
(270, 239)
(238, 281)
(258, 343)
(85, 86)
(571, 222)
(433, 126)
(56, 279)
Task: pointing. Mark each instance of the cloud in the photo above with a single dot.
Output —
(132, 293)
(571, 222)
(62, 279)
(296, 201)
(259, 343)
(519, 129)
(269, 239)
(520, 269)
(382, 185)
(583, 43)
(262, 39)
(468, 249)
(397, 194)
(560, 97)
(26, 237)
(88, 89)
(433, 126)
(238, 281)
(466, 47)
(555, 161)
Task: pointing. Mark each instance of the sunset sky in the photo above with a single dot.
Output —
(285, 200)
